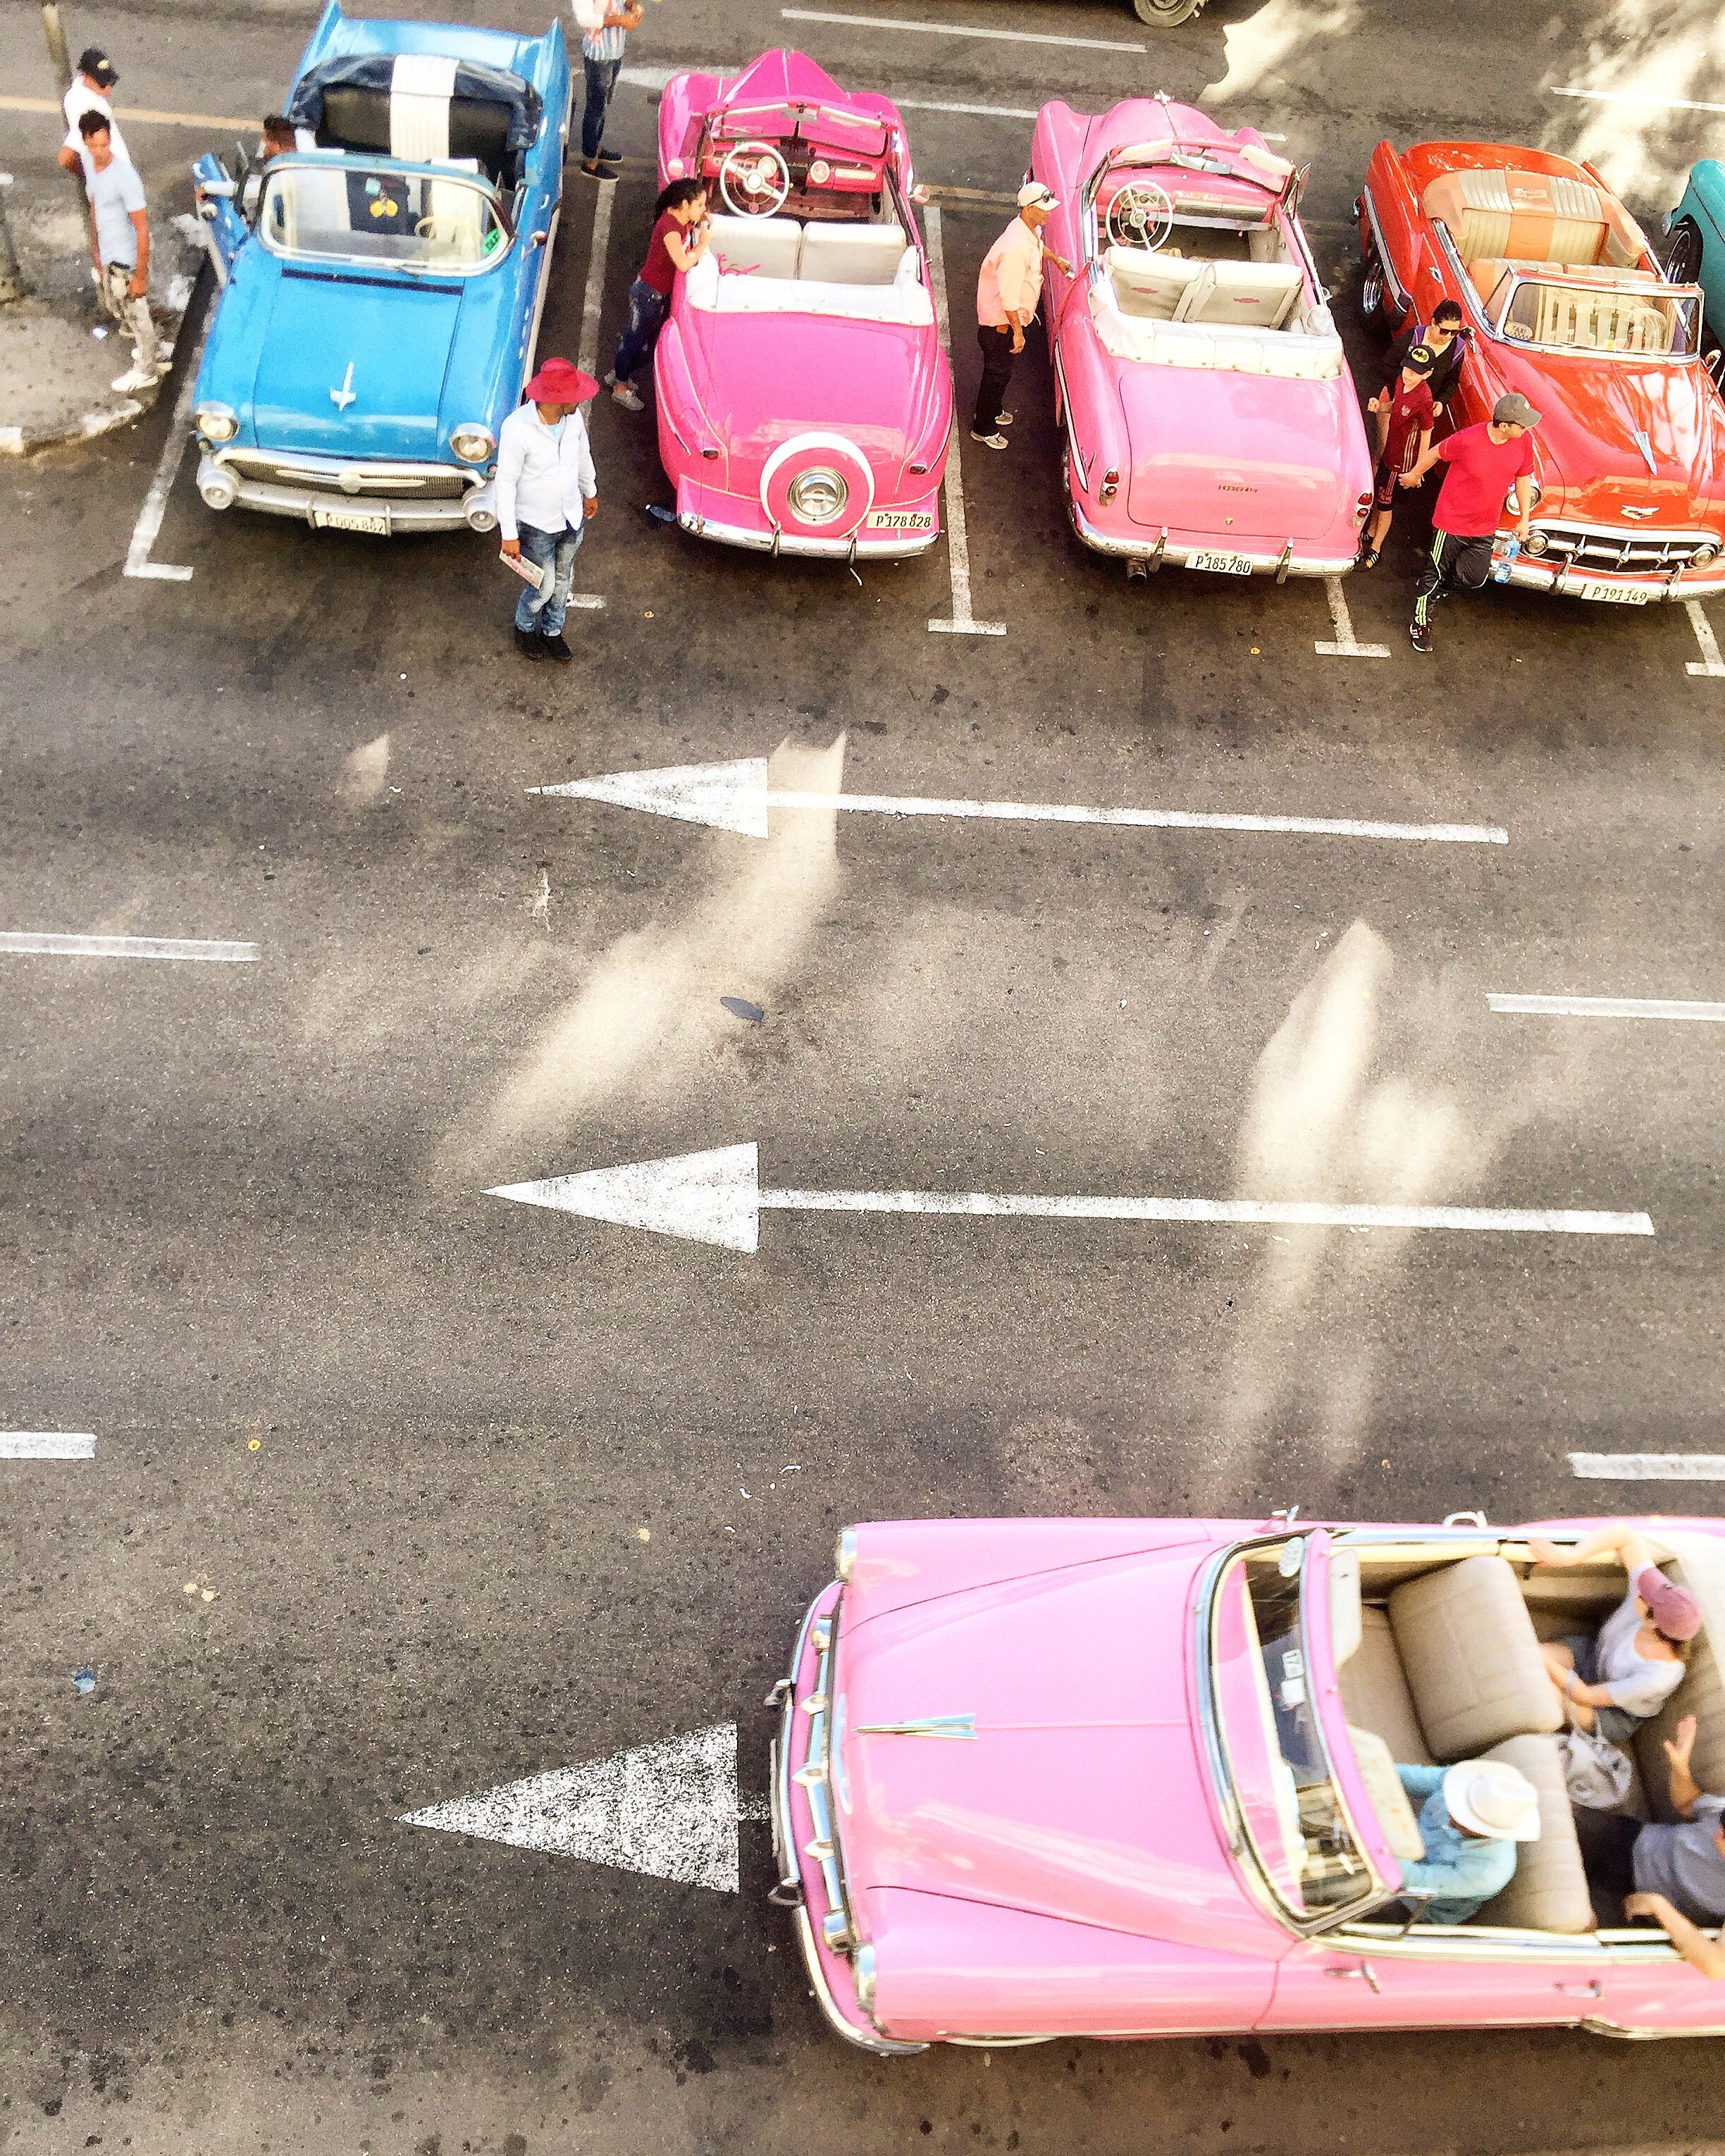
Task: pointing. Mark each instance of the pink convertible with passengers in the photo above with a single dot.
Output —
(1210, 418)
(1137, 1778)
(805, 399)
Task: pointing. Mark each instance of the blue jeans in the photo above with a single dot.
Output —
(647, 310)
(532, 611)
(601, 81)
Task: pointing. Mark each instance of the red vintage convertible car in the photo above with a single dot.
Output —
(1566, 303)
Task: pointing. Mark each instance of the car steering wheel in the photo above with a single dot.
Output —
(1141, 215)
(763, 177)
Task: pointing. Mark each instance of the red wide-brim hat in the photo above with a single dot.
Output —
(560, 381)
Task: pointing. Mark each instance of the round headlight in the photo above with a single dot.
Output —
(216, 423)
(844, 1556)
(1704, 557)
(472, 443)
(819, 495)
(1536, 543)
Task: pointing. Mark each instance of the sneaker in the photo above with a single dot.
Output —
(659, 514)
(134, 380)
(609, 157)
(990, 441)
(529, 644)
(555, 648)
(1420, 636)
(622, 394)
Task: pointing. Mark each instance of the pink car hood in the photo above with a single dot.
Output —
(762, 378)
(1082, 1796)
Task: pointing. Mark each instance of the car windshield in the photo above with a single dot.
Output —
(1638, 320)
(1272, 1748)
(350, 213)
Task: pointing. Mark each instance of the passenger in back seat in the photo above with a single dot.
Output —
(1676, 1873)
(1614, 1682)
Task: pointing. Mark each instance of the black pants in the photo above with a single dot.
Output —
(1608, 1843)
(1463, 563)
(997, 372)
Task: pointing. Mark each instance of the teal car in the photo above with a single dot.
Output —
(1696, 256)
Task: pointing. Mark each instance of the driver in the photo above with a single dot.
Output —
(681, 233)
(1007, 292)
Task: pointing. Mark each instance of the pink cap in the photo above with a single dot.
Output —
(1673, 1609)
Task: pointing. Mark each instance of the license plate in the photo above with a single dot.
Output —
(351, 520)
(1224, 565)
(899, 520)
(1618, 594)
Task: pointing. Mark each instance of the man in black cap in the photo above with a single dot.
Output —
(1404, 420)
(1486, 465)
(96, 76)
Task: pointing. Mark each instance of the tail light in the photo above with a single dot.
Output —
(1362, 508)
(1110, 487)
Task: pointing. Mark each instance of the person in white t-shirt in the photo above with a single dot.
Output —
(96, 77)
(119, 242)
(1614, 1680)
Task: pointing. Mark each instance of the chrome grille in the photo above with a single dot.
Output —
(1591, 546)
(424, 482)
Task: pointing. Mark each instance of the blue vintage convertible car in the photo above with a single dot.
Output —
(1697, 252)
(382, 285)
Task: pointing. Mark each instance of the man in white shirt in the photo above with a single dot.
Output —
(119, 242)
(96, 76)
(546, 490)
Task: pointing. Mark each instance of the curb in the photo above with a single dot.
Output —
(22, 441)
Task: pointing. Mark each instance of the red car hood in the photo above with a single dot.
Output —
(1590, 464)
(1082, 1794)
(869, 381)
(1254, 458)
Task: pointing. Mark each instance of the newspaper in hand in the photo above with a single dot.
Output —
(529, 572)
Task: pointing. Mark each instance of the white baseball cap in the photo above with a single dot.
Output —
(1487, 1797)
(1032, 195)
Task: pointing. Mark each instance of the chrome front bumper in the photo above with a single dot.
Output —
(891, 546)
(1566, 583)
(1158, 551)
(222, 485)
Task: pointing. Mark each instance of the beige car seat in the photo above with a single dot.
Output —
(1537, 217)
(1548, 1892)
(767, 246)
(851, 254)
(1248, 295)
(1151, 286)
(1473, 1664)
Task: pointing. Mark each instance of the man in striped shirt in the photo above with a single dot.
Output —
(605, 25)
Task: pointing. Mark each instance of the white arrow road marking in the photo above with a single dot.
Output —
(1606, 1007)
(29, 944)
(716, 1196)
(1649, 1466)
(47, 1444)
(669, 1810)
(735, 797)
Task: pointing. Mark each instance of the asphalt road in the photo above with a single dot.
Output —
(401, 1492)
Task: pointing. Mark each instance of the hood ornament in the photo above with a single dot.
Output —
(1639, 438)
(959, 1726)
(346, 394)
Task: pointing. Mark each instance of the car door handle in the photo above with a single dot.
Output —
(1594, 1990)
(1364, 1969)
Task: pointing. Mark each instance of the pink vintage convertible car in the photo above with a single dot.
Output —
(805, 399)
(1136, 1778)
(1210, 417)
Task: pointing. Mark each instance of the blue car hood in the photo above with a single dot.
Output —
(395, 332)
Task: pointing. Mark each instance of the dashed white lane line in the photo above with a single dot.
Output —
(716, 1196)
(1649, 1466)
(30, 944)
(1636, 97)
(964, 622)
(975, 112)
(1606, 1007)
(1346, 645)
(1710, 664)
(896, 22)
(47, 1444)
(148, 527)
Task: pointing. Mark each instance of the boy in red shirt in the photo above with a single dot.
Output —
(1405, 413)
(1486, 463)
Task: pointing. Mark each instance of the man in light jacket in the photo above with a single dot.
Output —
(546, 490)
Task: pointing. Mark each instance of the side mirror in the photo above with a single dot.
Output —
(1715, 365)
(242, 163)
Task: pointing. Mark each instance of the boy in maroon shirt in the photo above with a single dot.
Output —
(1405, 411)
(1487, 464)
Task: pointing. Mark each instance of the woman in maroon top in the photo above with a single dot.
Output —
(681, 205)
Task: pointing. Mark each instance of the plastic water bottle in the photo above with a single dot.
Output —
(1501, 574)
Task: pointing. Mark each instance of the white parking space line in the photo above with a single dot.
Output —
(47, 1444)
(29, 944)
(1710, 664)
(960, 30)
(586, 358)
(964, 622)
(1649, 1466)
(1606, 1007)
(976, 112)
(1345, 646)
(1637, 97)
(716, 1196)
(148, 527)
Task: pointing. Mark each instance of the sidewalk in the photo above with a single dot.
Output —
(60, 355)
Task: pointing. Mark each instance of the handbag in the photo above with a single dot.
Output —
(1597, 1774)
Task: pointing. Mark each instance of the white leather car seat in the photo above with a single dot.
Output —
(1548, 1892)
(851, 254)
(1151, 287)
(1251, 294)
(1472, 1657)
(761, 246)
